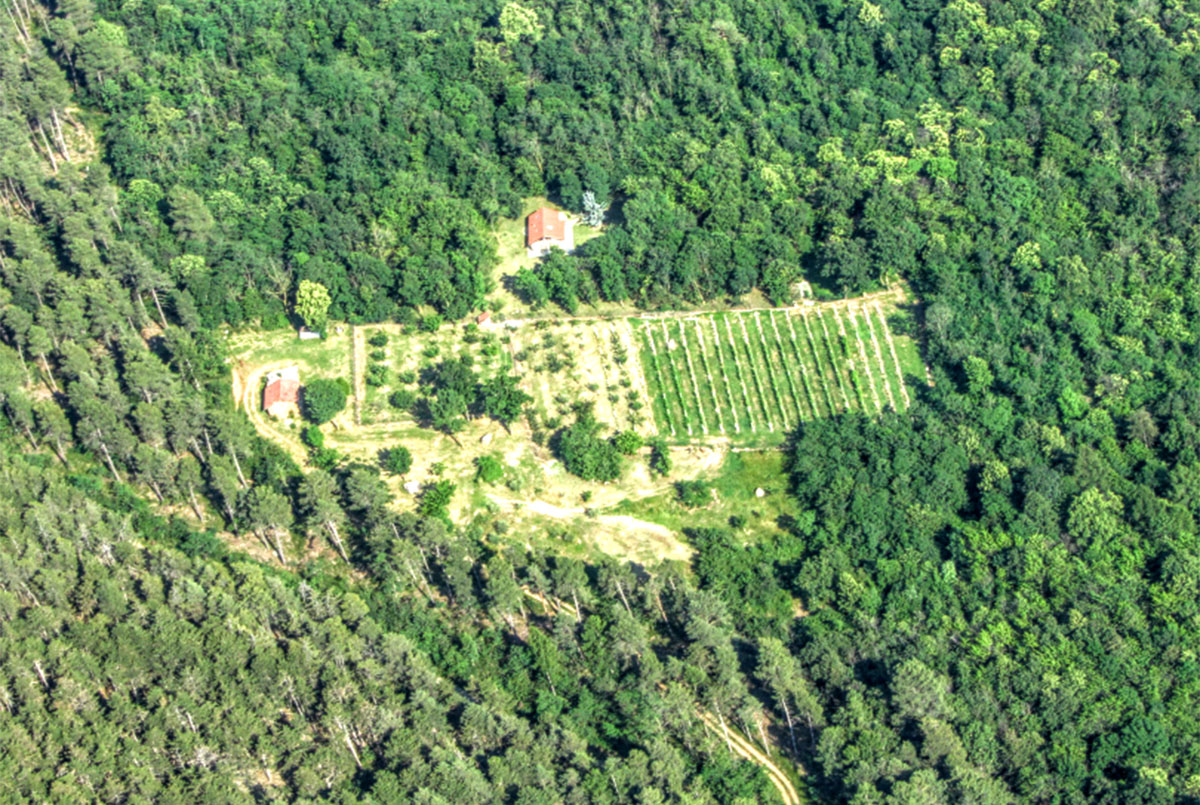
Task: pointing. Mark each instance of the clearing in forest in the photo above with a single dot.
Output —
(750, 376)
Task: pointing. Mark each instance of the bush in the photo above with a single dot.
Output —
(396, 460)
(584, 454)
(435, 499)
(693, 493)
(312, 436)
(376, 375)
(325, 458)
(430, 324)
(324, 399)
(407, 376)
(628, 442)
(660, 457)
(402, 400)
(377, 355)
(380, 339)
(488, 469)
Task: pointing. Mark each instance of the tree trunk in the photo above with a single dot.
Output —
(661, 611)
(337, 540)
(278, 545)
(49, 149)
(58, 451)
(207, 441)
(195, 505)
(237, 465)
(49, 377)
(108, 458)
(624, 600)
(791, 730)
(162, 317)
(58, 135)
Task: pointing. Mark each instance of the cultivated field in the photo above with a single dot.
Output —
(706, 381)
(750, 376)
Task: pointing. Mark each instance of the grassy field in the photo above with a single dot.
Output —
(734, 484)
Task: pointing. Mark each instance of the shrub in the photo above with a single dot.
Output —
(693, 493)
(430, 324)
(402, 400)
(488, 469)
(660, 457)
(377, 355)
(396, 460)
(628, 442)
(435, 499)
(586, 455)
(376, 375)
(407, 376)
(379, 339)
(312, 436)
(323, 399)
(325, 458)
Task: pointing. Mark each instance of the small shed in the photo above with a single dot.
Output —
(484, 317)
(308, 335)
(281, 397)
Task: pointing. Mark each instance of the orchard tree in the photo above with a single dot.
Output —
(500, 398)
(323, 399)
(584, 453)
(396, 460)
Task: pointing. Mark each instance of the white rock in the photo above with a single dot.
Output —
(412, 487)
(486, 439)
(760, 493)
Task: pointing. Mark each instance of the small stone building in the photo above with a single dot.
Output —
(281, 397)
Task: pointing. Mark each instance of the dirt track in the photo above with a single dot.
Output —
(743, 748)
(620, 522)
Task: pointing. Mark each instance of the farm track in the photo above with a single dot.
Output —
(895, 294)
(674, 372)
(655, 366)
(758, 389)
(887, 336)
(807, 379)
(733, 409)
(883, 374)
(815, 352)
(741, 375)
(687, 354)
(697, 337)
(358, 371)
(837, 374)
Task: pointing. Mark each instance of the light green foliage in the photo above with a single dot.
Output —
(489, 469)
(312, 303)
(519, 22)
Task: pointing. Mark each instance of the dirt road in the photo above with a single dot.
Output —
(669, 544)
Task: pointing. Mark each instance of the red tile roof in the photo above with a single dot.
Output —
(282, 390)
(545, 223)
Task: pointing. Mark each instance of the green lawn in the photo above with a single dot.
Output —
(735, 482)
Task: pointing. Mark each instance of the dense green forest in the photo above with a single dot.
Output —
(999, 586)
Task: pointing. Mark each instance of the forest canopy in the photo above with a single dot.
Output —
(989, 598)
